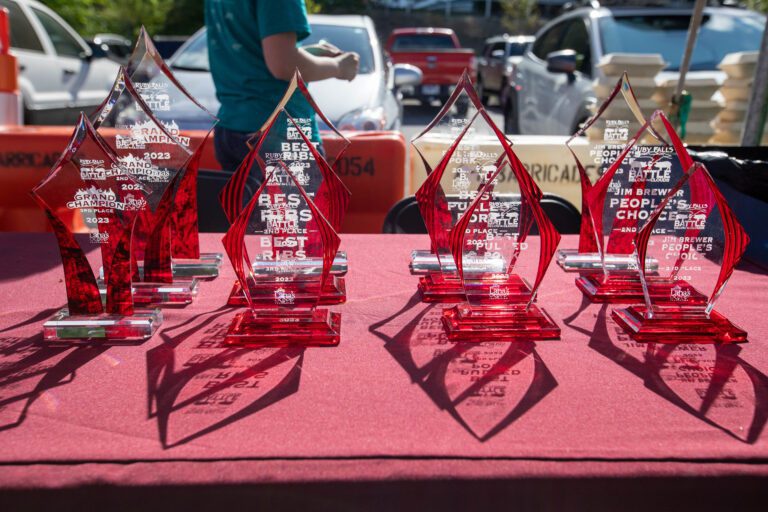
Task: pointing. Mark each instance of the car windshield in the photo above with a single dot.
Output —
(423, 42)
(348, 39)
(720, 34)
(517, 49)
(195, 56)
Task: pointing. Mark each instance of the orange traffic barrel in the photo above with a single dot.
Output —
(10, 99)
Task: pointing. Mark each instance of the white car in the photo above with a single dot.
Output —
(369, 102)
(59, 75)
(552, 90)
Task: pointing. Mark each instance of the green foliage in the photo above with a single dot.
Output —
(520, 16)
(757, 5)
(161, 17)
(89, 17)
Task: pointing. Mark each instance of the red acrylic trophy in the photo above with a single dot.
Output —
(181, 114)
(288, 139)
(87, 181)
(151, 152)
(607, 133)
(697, 240)
(275, 244)
(622, 200)
(497, 227)
(468, 147)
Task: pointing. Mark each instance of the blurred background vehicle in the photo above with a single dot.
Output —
(59, 73)
(497, 62)
(552, 93)
(112, 46)
(369, 102)
(437, 53)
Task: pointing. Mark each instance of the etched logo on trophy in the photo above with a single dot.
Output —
(155, 95)
(498, 292)
(95, 198)
(678, 294)
(616, 130)
(284, 297)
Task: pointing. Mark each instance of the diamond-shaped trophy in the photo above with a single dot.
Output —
(282, 248)
(87, 181)
(182, 115)
(434, 142)
(295, 142)
(152, 153)
(608, 132)
(622, 200)
(499, 263)
(459, 148)
(697, 241)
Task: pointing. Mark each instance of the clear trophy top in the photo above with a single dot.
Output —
(697, 241)
(632, 187)
(609, 130)
(498, 259)
(168, 100)
(145, 147)
(471, 150)
(276, 242)
(88, 182)
(461, 108)
(294, 140)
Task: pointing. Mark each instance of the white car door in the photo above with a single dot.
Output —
(84, 79)
(536, 98)
(569, 90)
(40, 91)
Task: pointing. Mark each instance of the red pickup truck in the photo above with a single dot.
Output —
(437, 52)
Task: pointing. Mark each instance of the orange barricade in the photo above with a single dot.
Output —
(373, 168)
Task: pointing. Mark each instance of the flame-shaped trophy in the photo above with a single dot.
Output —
(295, 141)
(154, 153)
(88, 181)
(190, 123)
(460, 149)
(282, 248)
(500, 265)
(697, 240)
(622, 200)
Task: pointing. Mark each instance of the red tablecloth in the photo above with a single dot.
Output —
(393, 403)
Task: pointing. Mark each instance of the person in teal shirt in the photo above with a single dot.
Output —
(253, 52)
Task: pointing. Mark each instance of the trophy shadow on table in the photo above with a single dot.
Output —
(484, 386)
(30, 371)
(198, 385)
(709, 381)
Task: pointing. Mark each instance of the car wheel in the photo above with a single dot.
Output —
(511, 124)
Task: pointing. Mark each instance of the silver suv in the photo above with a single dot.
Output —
(551, 92)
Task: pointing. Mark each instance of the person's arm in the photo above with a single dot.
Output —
(283, 57)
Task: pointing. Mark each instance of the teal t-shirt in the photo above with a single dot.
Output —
(247, 91)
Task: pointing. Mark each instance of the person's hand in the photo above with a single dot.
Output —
(323, 49)
(348, 64)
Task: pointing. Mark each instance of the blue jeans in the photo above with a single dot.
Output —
(230, 147)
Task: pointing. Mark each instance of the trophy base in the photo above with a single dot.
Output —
(334, 292)
(571, 260)
(118, 329)
(499, 323)
(178, 293)
(207, 267)
(435, 287)
(316, 328)
(677, 324)
(617, 288)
